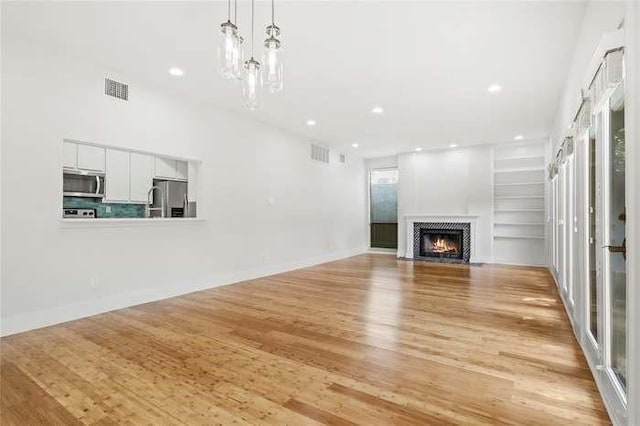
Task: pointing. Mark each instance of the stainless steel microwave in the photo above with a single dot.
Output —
(80, 183)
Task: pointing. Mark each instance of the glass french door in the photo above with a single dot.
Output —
(562, 233)
(569, 225)
(592, 219)
(565, 233)
(606, 266)
(614, 254)
(554, 224)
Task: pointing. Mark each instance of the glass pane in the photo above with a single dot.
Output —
(593, 288)
(617, 240)
(561, 226)
(568, 224)
(384, 196)
(555, 224)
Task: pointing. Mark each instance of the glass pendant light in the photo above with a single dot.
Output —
(238, 58)
(227, 46)
(238, 51)
(273, 56)
(252, 79)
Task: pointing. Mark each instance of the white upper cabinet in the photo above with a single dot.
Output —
(166, 168)
(91, 158)
(69, 155)
(171, 169)
(117, 175)
(142, 172)
(181, 169)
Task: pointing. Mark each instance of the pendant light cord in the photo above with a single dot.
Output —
(253, 13)
(273, 12)
(229, 10)
(235, 12)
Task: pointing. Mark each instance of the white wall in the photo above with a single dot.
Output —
(318, 211)
(448, 182)
(382, 162)
(599, 17)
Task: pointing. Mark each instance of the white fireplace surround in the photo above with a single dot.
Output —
(459, 218)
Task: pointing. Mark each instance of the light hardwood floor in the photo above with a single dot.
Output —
(366, 340)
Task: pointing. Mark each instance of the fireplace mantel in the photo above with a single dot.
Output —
(456, 218)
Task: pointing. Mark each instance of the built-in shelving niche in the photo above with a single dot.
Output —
(518, 202)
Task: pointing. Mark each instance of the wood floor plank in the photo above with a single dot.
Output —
(24, 402)
(316, 413)
(365, 340)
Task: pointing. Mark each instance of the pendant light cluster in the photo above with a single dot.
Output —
(252, 74)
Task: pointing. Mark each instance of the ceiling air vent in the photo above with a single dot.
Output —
(320, 153)
(116, 89)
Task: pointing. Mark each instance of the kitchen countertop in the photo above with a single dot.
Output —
(116, 222)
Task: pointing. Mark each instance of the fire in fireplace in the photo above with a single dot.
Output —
(447, 242)
(441, 243)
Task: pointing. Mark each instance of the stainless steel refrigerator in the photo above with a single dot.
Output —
(174, 195)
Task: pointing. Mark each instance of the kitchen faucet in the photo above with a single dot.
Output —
(148, 206)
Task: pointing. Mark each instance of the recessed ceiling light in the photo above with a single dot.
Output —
(453, 145)
(377, 110)
(494, 88)
(418, 149)
(311, 122)
(518, 137)
(355, 145)
(176, 72)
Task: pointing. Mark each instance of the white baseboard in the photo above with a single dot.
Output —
(48, 317)
(480, 259)
(533, 265)
(374, 250)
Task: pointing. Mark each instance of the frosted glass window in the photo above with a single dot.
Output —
(384, 196)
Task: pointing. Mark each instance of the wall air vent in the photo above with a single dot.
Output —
(320, 153)
(343, 158)
(116, 89)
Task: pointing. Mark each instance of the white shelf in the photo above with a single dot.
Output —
(519, 211)
(518, 202)
(534, 157)
(519, 184)
(520, 224)
(525, 237)
(515, 197)
(527, 169)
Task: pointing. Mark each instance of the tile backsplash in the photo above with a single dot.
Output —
(117, 209)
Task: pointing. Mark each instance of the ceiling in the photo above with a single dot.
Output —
(428, 64)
